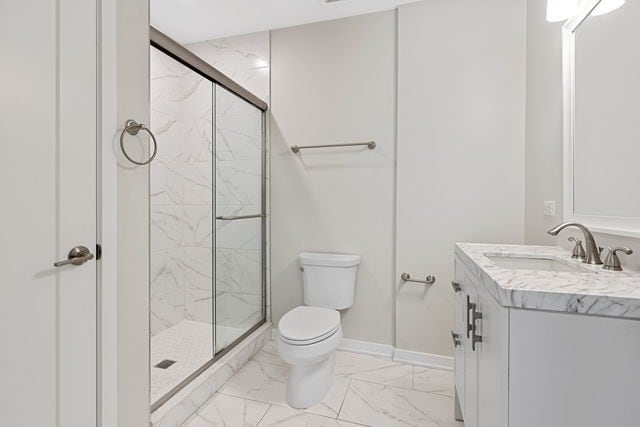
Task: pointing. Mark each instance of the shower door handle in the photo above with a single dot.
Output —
(234, 218)
(77, 256)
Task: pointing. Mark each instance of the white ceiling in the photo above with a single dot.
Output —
(189, 21)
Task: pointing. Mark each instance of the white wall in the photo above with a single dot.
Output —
(460, 155)
(543, 151)
(132, 50)
(461, 99)
(301, 184)
(543, 148)
(334, 82)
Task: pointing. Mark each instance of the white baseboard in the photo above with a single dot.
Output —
(426, 360)
(385, 350)
(366, 347)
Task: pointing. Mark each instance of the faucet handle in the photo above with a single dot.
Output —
(612, 261)
(578, 250)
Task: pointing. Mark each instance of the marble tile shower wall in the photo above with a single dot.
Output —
(245, 59)
(238, 182)
(182, 181)
(181, 195)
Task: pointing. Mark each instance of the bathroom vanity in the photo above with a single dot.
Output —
(542, 339)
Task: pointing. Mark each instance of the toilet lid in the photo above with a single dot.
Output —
(306, 324)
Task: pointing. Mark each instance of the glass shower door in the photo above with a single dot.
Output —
(239, 192)
(207, 199)
(181, 240)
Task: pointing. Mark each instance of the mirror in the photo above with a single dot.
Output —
(602, 119)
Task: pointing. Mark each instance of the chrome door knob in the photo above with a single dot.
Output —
(77, 256)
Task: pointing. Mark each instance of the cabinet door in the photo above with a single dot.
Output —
(569, 370)
(459, 328)
(470, 409)
(493, 366)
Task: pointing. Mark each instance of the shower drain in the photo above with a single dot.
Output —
(165, 364)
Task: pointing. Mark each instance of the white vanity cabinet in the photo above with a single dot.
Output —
(482, 366)
(540, 368)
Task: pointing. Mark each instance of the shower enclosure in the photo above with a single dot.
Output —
(207, 204)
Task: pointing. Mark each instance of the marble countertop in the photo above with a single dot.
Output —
(591, 290)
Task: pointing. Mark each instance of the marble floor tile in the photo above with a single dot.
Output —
(288, 417)
(224, 410)
(382, 405)
(332, 402)
(266, 382)
(367, 391)
(433, 381)
(373, 369)
(259, 381)
(269, 354)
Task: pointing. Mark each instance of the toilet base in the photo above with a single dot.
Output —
(309, 384)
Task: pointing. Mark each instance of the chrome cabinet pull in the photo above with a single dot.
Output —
(429, 280)
(456, 339)
(77, 256)
(456, 287)
(475, 338)
(470, 306)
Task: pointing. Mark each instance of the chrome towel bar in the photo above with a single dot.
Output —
(429, 280)
(370, 144)
(234, 218)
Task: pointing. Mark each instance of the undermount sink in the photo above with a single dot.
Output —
(532, 263)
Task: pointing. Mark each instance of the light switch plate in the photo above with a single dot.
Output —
(549, 208)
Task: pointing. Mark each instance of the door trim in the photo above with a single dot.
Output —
(123, 75)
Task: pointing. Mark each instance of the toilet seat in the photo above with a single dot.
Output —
(306, 325)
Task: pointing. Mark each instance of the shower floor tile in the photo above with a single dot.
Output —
(190, 345)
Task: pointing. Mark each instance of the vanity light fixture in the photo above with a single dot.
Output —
(561, 10)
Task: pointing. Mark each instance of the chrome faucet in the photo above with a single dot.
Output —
(592, 251)
(612, 261)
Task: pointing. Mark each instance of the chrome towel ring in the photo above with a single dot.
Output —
(132, 127)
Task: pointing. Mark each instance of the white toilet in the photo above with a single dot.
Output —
(310, 334)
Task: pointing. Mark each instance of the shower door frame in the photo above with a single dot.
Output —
(190, 60)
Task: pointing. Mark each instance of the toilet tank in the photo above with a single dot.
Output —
(329, 280)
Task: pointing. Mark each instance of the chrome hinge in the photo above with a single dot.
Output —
(456, 339)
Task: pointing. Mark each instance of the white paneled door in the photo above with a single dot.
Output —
(48, 128)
